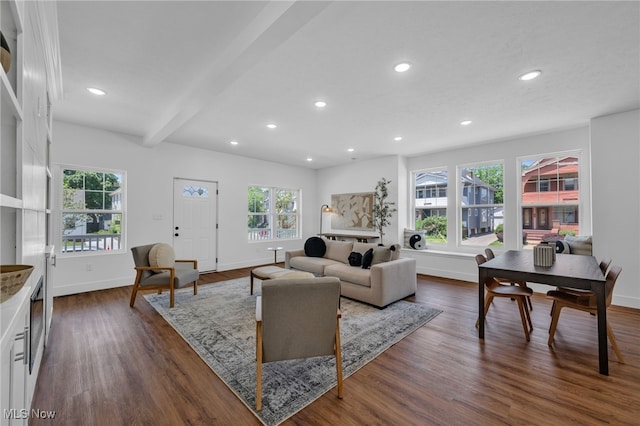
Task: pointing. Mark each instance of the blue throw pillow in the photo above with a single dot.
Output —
(367, 257)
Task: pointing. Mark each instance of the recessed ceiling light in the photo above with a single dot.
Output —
(320, 104)
(271, 126)
(530, 75)
(402, 67)
(465, 122)
(350, 149)
(96, 91)
(234, 142)
(397, 138)
(309, 159)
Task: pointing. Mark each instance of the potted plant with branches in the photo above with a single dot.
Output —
(382, 210)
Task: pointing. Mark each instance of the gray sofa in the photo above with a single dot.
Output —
(389, 279)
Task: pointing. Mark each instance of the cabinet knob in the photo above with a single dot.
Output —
(176, 234)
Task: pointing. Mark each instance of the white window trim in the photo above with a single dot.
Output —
(458, 209)
(58, 211)
(582, 177)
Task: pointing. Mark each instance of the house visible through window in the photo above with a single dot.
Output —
(430, 203)
(550, 197)
(481, 204)
(273, 213)
(92, 210)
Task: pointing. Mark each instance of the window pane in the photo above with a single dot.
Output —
(258, 199)
(195, 191)
(550, 198)
(482, 198)
(287, 226)
(431, 204)
(91, 232)
(259, 227)
(286, 201)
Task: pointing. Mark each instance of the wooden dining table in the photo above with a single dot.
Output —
(569, 270)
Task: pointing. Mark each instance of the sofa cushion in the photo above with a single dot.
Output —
(381, 254)
(579, 245)
(315, 247)
(367, 258)
(347, 273)
(162, 255)
(338, 250)
(314, 265)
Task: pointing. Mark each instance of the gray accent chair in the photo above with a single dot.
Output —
(297, 318)
(181, 275)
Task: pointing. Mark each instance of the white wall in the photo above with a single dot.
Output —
(149, 192)
(615, 147)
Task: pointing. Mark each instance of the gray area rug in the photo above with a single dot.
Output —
(219, 324)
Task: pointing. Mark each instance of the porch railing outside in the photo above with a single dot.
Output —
(257, 234)
(90, 242)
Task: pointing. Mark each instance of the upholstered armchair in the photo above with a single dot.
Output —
(297, 318)
(157, 269)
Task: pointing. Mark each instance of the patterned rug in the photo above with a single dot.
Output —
(219, 324)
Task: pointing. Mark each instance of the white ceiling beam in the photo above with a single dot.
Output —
(278, 21)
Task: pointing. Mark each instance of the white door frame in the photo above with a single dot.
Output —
(202, 268)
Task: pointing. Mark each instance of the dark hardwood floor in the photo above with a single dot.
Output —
(108, 364)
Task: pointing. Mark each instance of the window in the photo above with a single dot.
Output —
(481, 204)
(550, 197)
(273, 213)
(430, 203)
(92, 210)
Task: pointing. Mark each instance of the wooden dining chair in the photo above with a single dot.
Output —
(495, 289)
(604, 267)
(585, 301)
(490, 255)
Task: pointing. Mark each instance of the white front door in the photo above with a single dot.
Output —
(195, 221)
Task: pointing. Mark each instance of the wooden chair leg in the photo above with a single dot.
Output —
(554, 323)
(614, 344)
(134, 291)
(521, 308)
(251, 283)
(528, 314)
(195, 287)
(338, 360)
(258, 365)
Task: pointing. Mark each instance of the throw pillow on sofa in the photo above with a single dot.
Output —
(355, 259)
(315, 247)
(381, 254)
(367, 258)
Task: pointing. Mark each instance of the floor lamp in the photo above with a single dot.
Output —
(324, 209)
